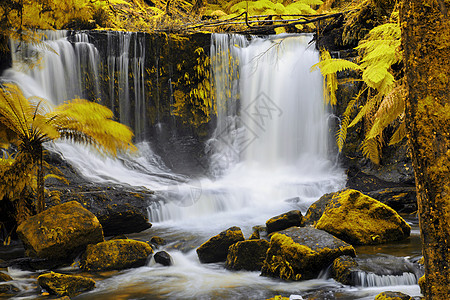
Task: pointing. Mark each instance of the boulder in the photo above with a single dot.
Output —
(65, 285)
(158, 241)
(115, 255)
(301, 253)
(4, 277)
(401, 199)
(393, 296)
(163, 258)
(315, 211)
(247, 255)
(216, 248)
(284, 221)
(122, 219)
(361, 220)
(61, 231)
(375, 271)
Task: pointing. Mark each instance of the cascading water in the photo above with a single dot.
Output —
(268, 154)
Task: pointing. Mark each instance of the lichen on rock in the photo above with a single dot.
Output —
(216, 248)
(65, 285)
(115, 255)
(301, 253)
(361, 220)
(247, 255)
(60, 231)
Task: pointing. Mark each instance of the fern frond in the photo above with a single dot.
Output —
(371, 149)
(399, 134)
(341, 135)
(370, 105)
(392, 106)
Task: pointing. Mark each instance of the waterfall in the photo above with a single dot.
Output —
(365, 279)
(270, 143)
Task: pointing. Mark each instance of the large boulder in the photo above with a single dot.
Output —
(65, 285)
(247, 255)
(393, 296)
(284, 221)
(315, 211)
(60, 232)
(361, 220)
(375, 271)
(115, 255)
(216, 248)
(301, 253)
(122, 219)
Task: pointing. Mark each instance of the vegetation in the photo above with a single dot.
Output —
(380, 102)
(29, 123)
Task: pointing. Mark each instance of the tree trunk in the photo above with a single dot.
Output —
(426, 44)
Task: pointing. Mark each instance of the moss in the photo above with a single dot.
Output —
(115, 255)
(359, 219)
(341, 269)
(65, 285)
(289, 259)
(216, 248)
(156, 240)
(247, 255)
(392, 296)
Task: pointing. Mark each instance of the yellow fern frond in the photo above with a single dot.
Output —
(392, 106)
(399, 134)
(370, 105)
(341, 135)
(371, 149)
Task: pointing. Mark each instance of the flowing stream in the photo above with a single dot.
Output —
(268, 154)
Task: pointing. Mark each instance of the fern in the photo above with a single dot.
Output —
(329, 67)
(371, 149)
(399, 134)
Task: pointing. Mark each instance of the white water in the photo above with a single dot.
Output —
(264, 151)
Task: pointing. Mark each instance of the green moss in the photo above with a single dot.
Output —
(359, 219)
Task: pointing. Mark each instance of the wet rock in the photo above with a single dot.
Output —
(315, 211)
(216, 248)
(65, 285)
(259, 231)
(158, 241)
(4, 277)
(115, 255)
(393, 296)
(401, 199)
(33, 264)
(247, 255)
(122, 219)
(301, 253)
(8, 290)
(255, 235)
(284, 221)
(422, 284)
(163, 258)
(375, 271)
(60, 231)
(362, 220)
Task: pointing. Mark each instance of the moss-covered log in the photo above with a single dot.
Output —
(426, 44)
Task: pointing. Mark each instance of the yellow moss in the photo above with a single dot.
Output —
(359, 219)
(62, 284)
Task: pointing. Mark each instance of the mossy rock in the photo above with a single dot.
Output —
(301, 253)
(247, 255)
(115, 255)
(393, 296)
(59, 232)
(216, 248)
(158, 241)
(284, 221)
(65, 285)
(361, 220)
(315, 211)
(4, 277)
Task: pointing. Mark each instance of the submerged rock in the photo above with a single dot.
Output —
(360, 219)
(65, 285)
(216, 248)
(60, 231)
(247, 255)
(4, 277)
(301, 253)
(115, 255)
(158, 241)
(163, 258)
(393, 296)
(284, 221)
(375, 271)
